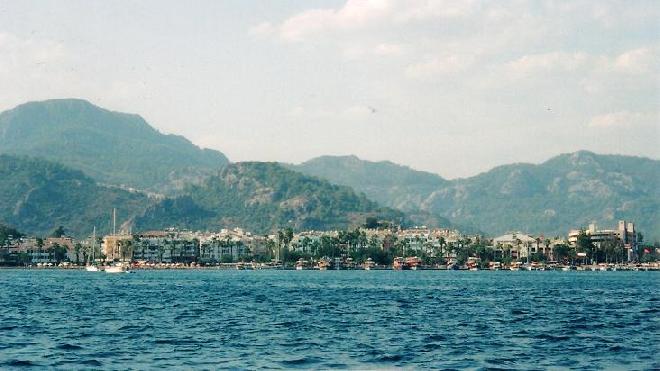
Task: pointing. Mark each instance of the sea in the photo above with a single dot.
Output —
(271, 319)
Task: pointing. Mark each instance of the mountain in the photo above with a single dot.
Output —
(37, 196)
(98, 147)
(568, 191)
(384, 182)
(565, 192)
(261, 197)
(111, 147)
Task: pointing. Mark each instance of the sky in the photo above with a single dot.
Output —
(450, 87)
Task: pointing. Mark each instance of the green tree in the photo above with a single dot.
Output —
(59, 232)
(584, 245)
(59, 252)
(40, 246)
(126, 250)
(371, 222)
(77, 248)
(161, 252)
(562, 252)
(24, 258)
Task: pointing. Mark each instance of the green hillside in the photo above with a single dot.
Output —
(262, 197)
(565, 192)
(111, 147)
(37, 196)
(384, 182)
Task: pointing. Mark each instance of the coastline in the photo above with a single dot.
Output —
(235, 266)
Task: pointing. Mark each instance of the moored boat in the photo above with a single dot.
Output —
(323, 264)
(399, 264)
(413, 263)
(117, 268)
(301, 264)
(473, 263)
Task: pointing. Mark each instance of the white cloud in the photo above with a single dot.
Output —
(385, 49)
(443, 65)
(30, 69)
(494, 67)
(350, 113)
(623, 119)
(357, 14)
(297, 111)
(639, 60)
(352, 52)
(431, 9)
(262, 29)
(554, 61)
(353, 14)
(19, 53)
(357, 112)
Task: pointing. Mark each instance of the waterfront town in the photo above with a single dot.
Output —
(363, 248)
(621, 247)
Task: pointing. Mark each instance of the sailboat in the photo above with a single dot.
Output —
(91, 267)
(118, 267)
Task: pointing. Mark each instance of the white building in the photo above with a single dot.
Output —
(517, 243)
(625, 233)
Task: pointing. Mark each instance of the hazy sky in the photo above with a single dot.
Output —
(453, 87)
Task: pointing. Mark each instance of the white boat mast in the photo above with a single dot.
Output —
(94, 245)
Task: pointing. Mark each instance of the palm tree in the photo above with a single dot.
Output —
(126, 250)
(538, 243)
(161, 252)
(507, 250)
(518, 242)
(143, 246)
(202, 251)
(172, 250)
(77, 247)
(441, 244)
(40, 245)
(85, 254)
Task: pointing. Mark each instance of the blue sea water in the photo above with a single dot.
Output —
(334, 319)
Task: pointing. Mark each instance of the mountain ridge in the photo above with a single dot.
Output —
(388, 183)
(261, 196)
(111, 147)
(566, 191)
(40, 195)
(536, 197)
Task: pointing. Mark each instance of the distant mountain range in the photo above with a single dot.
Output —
(567, 191)
(84, 161)
(111, 147)
(103, 153)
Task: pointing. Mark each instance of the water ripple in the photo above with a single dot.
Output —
(283, 319)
